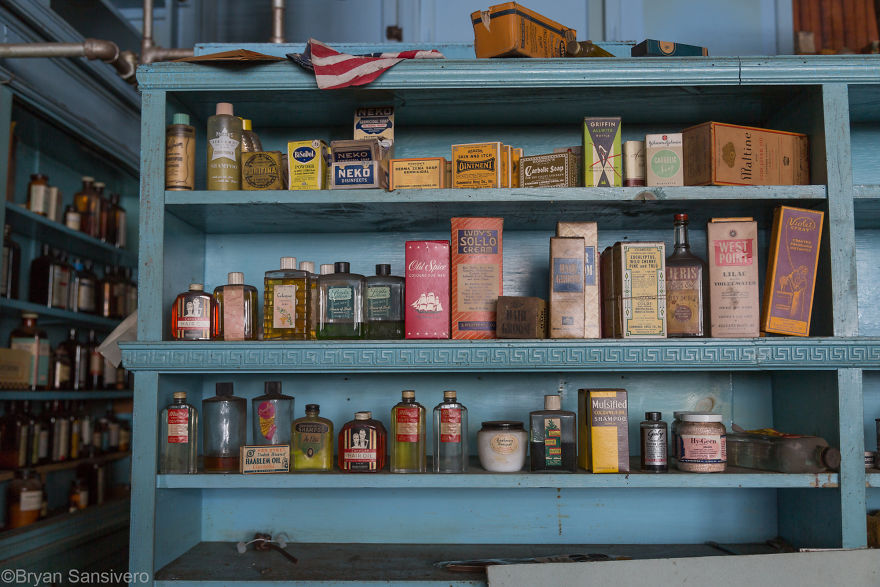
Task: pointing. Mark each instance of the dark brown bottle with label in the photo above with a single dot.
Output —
(95, 379)
(687, 288)
(84, 203)
(11, 265)
(49, 282)
(97, 205)
(106, 299)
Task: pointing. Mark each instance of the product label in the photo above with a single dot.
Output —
(450, 425)
(86, 295)
(261, 171)
(38, 198)
(283, 306)
(38, 369)
(589, 265)
(602, 152)
(476, 165)
(552, 439)
(266, 414)
(359, 449)
(73, 220)
(340, 303)
(733, 252)
(472, 241)
(504, 444)
(407, 424)
(654, 447)
(31, 500)
(264, 459)
(180, 159)
(233, 312)
(644, 291)
(478, 285)
(60, 278)
(702, 448)
(379, 302)
(310, 437)
(96, 363)
(684, 300)
(178, 429)
(223, 145)
(568, 275)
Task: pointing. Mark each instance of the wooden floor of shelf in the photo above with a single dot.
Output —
(49, 315)
(52, 467)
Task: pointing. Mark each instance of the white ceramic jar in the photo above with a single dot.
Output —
(502, 446)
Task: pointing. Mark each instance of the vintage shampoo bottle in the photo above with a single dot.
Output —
(224, 149)
(236, 309)
(312, 441)
(408, 435)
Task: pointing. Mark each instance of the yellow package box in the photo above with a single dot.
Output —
(307, 162)
(417, 173)
(476, 165)
(603, 430)
(512, 30)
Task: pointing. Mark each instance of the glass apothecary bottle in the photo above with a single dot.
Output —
(24, 499)
(272, 415)
(236, 309)
(38, 194)
(408, 435)
(654, 443)
(553, 446)
(286, 302)
(312, 441)
(309, 268)
(340, 304)
(83, 202)
(383, 308)
(687, 287)
(13, 438)
(27, 337)
(193, 314)
(178, 451)
(225, 427)
(450, 435)
(49, 280)
(361, 445)
(11, 265)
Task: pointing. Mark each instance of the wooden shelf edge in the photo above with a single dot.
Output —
(46, 313)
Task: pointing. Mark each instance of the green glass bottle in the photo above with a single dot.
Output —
(224, 149)
(341, 304)
(408, 435)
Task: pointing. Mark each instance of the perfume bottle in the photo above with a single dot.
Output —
(27, 337)
(383, 308)
(272, 413)
(553, 446)
(408, 435)
(450, 435)
(224, 149)
(312, 441)
(11, 265)
(309, 268)
(179, 437)
(687, 287)
(225, 426)
(286, 302)
(340, 304)
(193, 314)
(236, 309)
(361, 445)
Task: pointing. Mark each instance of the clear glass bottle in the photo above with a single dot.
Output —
(655, 443)
(193, 314)
(408, 435)
(361, 445)
(340, 304)
(272, 415)
(11, 265)
(13, 438)
(180, 154)
(38, 194)
(553, 446)
(784, 453)
(87, 287)
(450, 435)
(83, 202)
(236, 309)
(224, 149)
(27, 337)
(225, 429)
(687, 287)
(250, 142)
(286, 302)
(312, 441)
(309, 268)
(383, 305)
(178, 441)
(24, 499)
(49, 280)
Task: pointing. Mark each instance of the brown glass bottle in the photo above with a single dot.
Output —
(27, 337)
(97, 205)
(361, 445)
(24, 499)
(95, 379)
(83, 201)
(193, 314)
(38, 194)
(11, 265)
(116, 223)
(106, 299)
(49, 280)
(13, 438)
(687, 288)
(119, 291)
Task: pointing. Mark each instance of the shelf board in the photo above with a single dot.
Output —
(872, 478)
(436, 356)
(65, 465)
(374, 210)
(49, 315)
(63, 394)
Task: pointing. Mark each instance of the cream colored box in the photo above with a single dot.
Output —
(476, 165)
(663, 160)
(307, 163)
(376, 122)
(589, 232)
(418, 173)
(566, 287)
(734, 307)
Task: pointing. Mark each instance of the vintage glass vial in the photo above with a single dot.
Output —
(687, 287)
(341, 304)
(24, 499)
(83, 202)
(179, 437)
(11, 265)
(272, 414)
(361, 445)
(38, 194)
(450, 435)
(553, 447)
(408, 435)
(27, 337)
(312, 441)
(309, 268)
(236, 309)
(383, 306)
(655, 445)
(286, 302)
(96, 204)
(225, 426)
(224, 149)
(116, 223)
(180, 154)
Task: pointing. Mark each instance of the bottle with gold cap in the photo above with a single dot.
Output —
(408, 435)
(553, 447)
(224, 149)
(236, 309)
(450, 435)
(250, 142)
(286, 302)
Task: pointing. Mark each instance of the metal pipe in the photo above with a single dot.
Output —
(277, 22)
(147, 37)
(150, 51)
(125, 62)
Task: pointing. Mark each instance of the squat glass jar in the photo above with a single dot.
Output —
(702, 443)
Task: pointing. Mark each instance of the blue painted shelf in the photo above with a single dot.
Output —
(62, 394)
(65, 465)
(55, 316)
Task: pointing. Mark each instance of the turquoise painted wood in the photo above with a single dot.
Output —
(14, 394)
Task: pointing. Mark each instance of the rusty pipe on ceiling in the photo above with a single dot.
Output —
(150, 52)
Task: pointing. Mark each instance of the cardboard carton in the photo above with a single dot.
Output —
(734, 309)
(476, 275)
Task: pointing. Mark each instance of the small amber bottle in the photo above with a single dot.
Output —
(312, 441)
(193, 314)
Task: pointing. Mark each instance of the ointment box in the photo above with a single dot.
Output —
(476, 276)
(589, 232)
(791, 275)
(476, 165)
(273, 458)
(663, 159)
(734, 309)
(426, 289)
(635, 274)
(521, 317)
(603, 430)
(360, 150)
(307, 164)
(566, 287)
(356, 174)
(553, 170)
(420, 173)
(376, 123)
(261, 170)
(603, 164)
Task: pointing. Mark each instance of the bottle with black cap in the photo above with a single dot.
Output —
(341, 304)
(225, 418)
(655, 446)
(272, 414)
(383, 306)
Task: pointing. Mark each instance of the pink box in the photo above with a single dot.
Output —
(427, 289)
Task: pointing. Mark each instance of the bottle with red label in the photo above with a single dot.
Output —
(178, 443)
(408, 435)
(450, 435)
(193, 314)
(361, 445)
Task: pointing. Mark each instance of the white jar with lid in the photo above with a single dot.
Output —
(502, 446)
(701, 443)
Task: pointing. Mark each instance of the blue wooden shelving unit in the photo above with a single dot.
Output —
(810, 385)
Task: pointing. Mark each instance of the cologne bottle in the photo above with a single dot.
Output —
(450, 435)
(553, 446)
(272, 414)
(655, 444)
(11, 265)
(27, 337)
(193, 314)
(408, 435)
(178, 448)
(236, 309)
(224, 149)
(340, 304)
(383, 307)
(361, 445)
(49, 280)
(225, 425)
(286, 302)
(687, 287)
(312, 441)
(180, 154)
(309, 268)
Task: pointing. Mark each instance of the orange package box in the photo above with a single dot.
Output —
(512, 30)
(476, 276)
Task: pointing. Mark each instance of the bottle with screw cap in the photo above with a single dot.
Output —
(450, 435)
(340, 304)
(193, 314)
(224, 149)
(236, 309)
(553, 447)
(655, 445)
(178, 451)
(312, 448)
(225, 423)
(408, 435)
(180, 154)
(285, 302)
(272, 414)
(383, 306)
(361, 445)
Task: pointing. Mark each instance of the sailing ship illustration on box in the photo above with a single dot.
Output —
(428, 303)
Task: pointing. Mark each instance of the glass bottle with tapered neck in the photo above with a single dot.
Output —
(408, 435)
(312, 441)
(687, 287)
(180, 154)
(96, 205)
(450, 435)
(27, 337)
(49, 280)
(361, 445)
(250, 142)
(70, 364)
(83, 202)
(286, 302)
(309, 268)
(178, 441)
(383, 308)
(193, 314)
(236, 309)
(225, 425)
(116, 222)
(11, 265)
(553, 446)
(224, 149)
(13, 438)
(272, 415)
(341, 304)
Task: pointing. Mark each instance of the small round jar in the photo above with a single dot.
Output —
(702, 442)
(502, 446)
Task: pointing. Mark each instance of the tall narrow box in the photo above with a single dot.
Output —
(734, 310)
(791, 274)
(476, 276)
(307, 163)
(603, 430)
(566, 287)
(603, 164)
(426, 308)
(637, 276)
(589, 232)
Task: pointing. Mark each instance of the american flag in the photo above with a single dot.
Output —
(335, 70)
